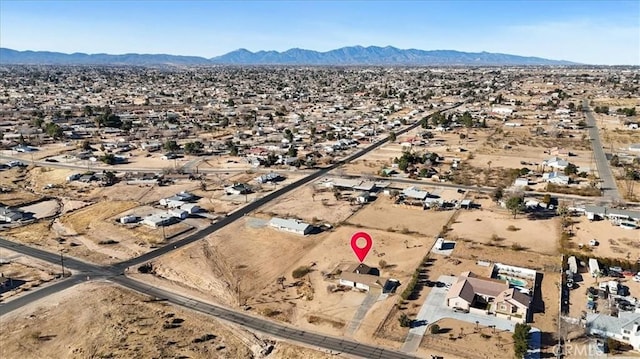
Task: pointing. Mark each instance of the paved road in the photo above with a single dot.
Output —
(263, 325)
(604, 171)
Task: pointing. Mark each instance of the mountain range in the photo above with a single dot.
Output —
(352, 56)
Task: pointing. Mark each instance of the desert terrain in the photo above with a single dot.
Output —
(101, 320)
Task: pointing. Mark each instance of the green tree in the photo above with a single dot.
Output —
(171, 146)
(109, 159)
(87, 111)
(109, 178)
(571, 169)
(38, 122)
(497, 194)
(54, 130)
(521, 339)
(292, 152)
(288, 135)
(515, 204)
(392, 136)
(86, 145)
(193, 147)
(467, 120)
(404, 320)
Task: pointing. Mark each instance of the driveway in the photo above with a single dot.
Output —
(364, 307)
(435, 308)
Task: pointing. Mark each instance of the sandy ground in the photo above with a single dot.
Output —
(615, 241)
(28, 273)
(495, 226)
(465, 340)
(311, 205)
(240, 264)
(382, 214)
(101, 320)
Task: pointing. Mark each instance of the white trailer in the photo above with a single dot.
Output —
(573, 264)
(594, 267)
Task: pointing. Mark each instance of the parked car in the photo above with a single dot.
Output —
(615, 269)
(594, 243)
(636, 278)
(460, 310)
(615, 274)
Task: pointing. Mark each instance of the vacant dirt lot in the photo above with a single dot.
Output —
(312, 205)
(497, 227)
(614, 241)
(100, 320)
(382, 214)
(25, 273)
(468, 341)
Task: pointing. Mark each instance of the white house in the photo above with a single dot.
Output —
(556, 178)
(556, 162)
(128, 219)
(521, 182)
(156, 220)
(291, 225)
(191, 208)
(178, 213)
(625, 327)
(172, 202)
(238, 188)
(412, 192)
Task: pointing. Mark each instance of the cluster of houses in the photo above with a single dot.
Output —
(623, 217)
(179, 206)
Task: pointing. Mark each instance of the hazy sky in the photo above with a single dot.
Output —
(593, 32)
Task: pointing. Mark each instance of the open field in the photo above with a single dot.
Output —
(25, 273)
(614, 241)
(497, 227)
(241, 263)
(100, 320)
(383, 214)
(311, 205)
(468, 341)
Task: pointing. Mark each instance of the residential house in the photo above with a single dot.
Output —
(128, 219)
(414, 193)
(521, 182)
(291, 225)
(10, 215)
(625, 327)
(492, 296)
(191, 208)
(556, 163)
(363, 197)
(238, 188)
(269, 177)
(178, 213)
(556, 178)
(157, 220)
(363, 277)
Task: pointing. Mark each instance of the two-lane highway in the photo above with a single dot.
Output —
(609, 186)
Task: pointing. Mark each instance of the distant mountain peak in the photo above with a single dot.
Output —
(350, 55)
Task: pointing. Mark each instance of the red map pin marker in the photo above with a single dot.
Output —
(361, 253)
